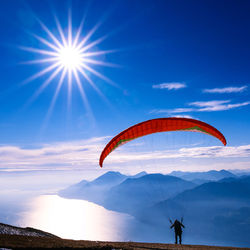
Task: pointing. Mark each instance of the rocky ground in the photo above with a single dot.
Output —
(28, 231)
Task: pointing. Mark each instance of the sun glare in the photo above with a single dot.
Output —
(71, 56)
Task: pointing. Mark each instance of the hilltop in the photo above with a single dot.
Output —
(32, 242)
(6, 229)
(12, 237)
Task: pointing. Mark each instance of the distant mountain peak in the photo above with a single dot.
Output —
(110, 176)
(112, 173)
(141, 173)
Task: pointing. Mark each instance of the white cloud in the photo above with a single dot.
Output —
(170, 86)
(184, 116)
(217, 105)
(172, 111)
(208, 103)
(207, 106)
(226, 90)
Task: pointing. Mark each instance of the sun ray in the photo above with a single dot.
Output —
(69, 88)
(39, 51)
(89, 80)
(78, 33)
(98, 53)
(59, 27)
(106, 79)
(38, 61)
(53, 101)
(50, 34)
(41, 73)
(87, 37)
(46, 83)
(83, 95)
(90, 45)
(96, 62)
(69, 29)
(44, 41)
(93, 85)
(82, 92)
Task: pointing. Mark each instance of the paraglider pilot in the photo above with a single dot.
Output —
(177, 225)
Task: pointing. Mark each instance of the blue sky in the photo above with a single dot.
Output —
(173, 58)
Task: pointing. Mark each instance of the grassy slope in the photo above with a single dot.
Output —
(18, 241)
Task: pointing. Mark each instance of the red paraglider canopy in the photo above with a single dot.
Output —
(159, 125)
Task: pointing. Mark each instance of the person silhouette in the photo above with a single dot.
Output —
(178, 230)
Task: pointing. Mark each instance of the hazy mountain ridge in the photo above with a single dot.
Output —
(123, 193)
(96, 190)
(133, 194)
(127, 193)
(211, 175)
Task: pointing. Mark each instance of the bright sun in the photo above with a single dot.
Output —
(72, 57)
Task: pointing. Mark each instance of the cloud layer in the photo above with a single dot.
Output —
(85, 154)
(53, 156)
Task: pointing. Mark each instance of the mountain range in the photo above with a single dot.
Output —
(203, 177)
(216, 211)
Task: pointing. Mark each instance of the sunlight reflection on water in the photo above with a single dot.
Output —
(75, 219)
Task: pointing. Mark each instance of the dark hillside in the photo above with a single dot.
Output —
(218, 211)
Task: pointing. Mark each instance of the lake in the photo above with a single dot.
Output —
(79, 219)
